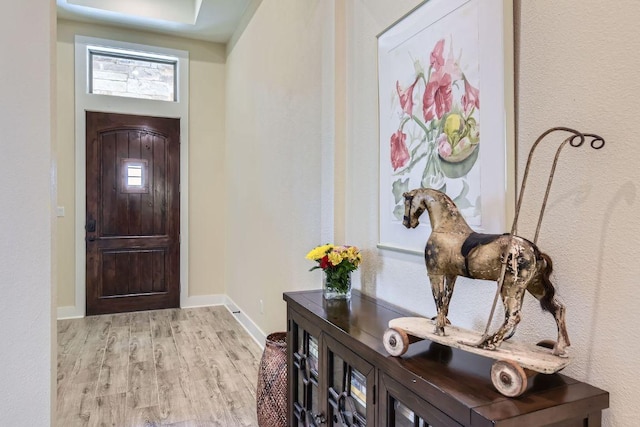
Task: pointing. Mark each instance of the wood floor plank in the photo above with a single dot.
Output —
(70, 334)
(166, 355)
(174, 405)
(188, 423)
(63, 325)
(71, 342)
(139, 322)
(177, 367)
(75, 404)
(121, 320)
(143, 388)
(238, 399)
(140, 347)
(160, 321)
(114, 372)
(190, 350)
(241, 352)
(229, 327)
(242, 407)
(108, 411)
(249, 375)
(81, 354)
(210, 406)
(222, 316)
(236, 345)
(174, 384)
(148, 416)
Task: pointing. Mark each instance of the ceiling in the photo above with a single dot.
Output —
(210, 20)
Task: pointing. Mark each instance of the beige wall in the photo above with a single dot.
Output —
(206, 154)
(27, 189)
(579, 60)
(279, 137)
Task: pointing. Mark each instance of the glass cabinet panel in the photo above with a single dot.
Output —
(405, 417)
(400, 407)
(306, 406)
(350, 388)
(305, 361)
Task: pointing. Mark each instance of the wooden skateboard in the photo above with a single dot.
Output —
(515, 362)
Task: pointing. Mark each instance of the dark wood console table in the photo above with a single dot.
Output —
(340, 375)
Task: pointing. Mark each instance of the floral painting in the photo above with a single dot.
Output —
(437, 141)
(432, 110)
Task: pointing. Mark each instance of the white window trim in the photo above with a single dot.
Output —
(85, 101)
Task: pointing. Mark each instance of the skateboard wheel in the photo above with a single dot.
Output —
(396, 341)
(508, 378)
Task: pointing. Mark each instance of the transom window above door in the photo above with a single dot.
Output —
(132, 74)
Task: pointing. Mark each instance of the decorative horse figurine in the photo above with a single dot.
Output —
(454, 249)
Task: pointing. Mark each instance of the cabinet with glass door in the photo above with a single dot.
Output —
(399, 407)
(351, 387)
(329, 384)
(340, 375)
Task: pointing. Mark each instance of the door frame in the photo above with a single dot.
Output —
(114, 104)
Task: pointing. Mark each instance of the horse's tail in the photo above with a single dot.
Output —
(546, 302)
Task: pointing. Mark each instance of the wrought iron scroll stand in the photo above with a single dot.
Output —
(576, 139)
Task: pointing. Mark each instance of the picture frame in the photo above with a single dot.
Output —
(446, 115)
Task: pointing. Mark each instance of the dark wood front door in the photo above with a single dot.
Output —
(133, 213)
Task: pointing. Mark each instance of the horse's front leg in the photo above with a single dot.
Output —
(449, 283)
(442, 289)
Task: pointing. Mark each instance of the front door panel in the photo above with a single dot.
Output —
(133, 213)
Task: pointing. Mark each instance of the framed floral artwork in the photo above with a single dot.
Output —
(445, 75)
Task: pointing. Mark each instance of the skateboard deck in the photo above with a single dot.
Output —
(528, 356)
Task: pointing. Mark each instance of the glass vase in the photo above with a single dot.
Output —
(433, 177)
(336, 286)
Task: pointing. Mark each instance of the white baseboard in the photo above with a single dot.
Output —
(249, 325)
(69, 312)
(203, 300)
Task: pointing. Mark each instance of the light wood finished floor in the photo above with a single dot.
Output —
(191, 367)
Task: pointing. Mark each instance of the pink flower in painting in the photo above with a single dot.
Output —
(444, 148)
(437, 97)
(406, 97)
(437, 58)
(451, 66)
(471, 97)
(399, 151)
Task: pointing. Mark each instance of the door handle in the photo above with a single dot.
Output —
(91, 228)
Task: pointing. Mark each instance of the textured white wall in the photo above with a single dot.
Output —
(579, 60)
(578, 65)
(279, 122)
(27, 361)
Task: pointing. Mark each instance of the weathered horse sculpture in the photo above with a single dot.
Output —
(454, 249)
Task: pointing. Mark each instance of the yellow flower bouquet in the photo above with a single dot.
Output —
(337, 262)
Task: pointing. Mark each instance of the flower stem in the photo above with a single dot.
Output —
(420, 123)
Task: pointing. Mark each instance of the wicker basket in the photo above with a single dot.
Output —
(271, 394)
